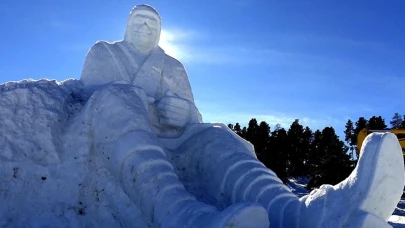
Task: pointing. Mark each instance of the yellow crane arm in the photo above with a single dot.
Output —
(400, 133)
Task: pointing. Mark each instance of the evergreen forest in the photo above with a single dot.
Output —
(300, 151)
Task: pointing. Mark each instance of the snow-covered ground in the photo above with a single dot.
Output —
(396, 220)
(398, 217)
(298, 186)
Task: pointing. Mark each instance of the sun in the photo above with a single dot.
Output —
(167, 42)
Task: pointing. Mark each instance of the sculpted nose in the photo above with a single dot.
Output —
(144, 27)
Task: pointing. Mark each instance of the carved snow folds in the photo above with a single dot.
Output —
(261, 182)
(246, 177)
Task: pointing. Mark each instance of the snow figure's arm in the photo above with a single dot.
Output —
(100, 66)
(182, 88)
(176, 94)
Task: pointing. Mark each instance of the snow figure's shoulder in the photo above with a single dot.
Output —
(105, 44)
(171, 62)
(177, 78)
(102, 64)
(102, 46)
(103, 49)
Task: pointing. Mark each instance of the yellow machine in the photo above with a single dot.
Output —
(400, 133)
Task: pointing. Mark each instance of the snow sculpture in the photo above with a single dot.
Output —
(139, 61)
(126, 146)
(146, 127)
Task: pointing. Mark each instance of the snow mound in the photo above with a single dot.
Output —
(47, 177)
(31, 117)
(397, 219)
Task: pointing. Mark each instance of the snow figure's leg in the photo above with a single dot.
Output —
(231, 174)
(122, 136)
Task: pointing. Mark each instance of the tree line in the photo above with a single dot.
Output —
(317, 154)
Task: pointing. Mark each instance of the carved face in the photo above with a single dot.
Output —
(143, 29)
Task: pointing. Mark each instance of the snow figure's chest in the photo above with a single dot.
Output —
(134, 66)
(142, 71)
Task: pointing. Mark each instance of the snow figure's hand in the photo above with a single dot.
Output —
(143, 96)
(173, 111)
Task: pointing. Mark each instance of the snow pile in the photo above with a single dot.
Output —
(398, 218)
(48, 178)
(39, 108)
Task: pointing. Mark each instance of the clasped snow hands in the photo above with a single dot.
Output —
(172, 110)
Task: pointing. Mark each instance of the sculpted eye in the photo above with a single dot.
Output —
(138, 20)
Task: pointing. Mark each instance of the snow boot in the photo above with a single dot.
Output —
(365, 199)
(368, 197)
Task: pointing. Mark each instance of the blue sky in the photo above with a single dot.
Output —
(322, 62)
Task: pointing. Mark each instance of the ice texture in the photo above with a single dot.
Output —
(125, 146)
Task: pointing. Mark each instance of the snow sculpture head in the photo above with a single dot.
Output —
(143, 28)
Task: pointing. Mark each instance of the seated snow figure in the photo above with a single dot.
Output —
(182, 172)
(138, 60)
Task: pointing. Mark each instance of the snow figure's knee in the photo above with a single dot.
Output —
(117, 95)
(221, 141)
(114, 111)
(208, 146)
(212, 147)
(132, 93)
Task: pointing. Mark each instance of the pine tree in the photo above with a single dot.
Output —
(237, 129)
(360, 124)
(230, 126)
(314, 158)
(276, 158)
(252, 131)
(376, 123)
(330, 162)
(307, 139)
(243, 132)
(295, 149)
(262, 140)
(396, 121)
(349, 136)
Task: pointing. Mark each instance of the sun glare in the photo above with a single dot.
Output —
(167, 42)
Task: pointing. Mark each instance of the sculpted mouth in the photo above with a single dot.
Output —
(142, 34)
